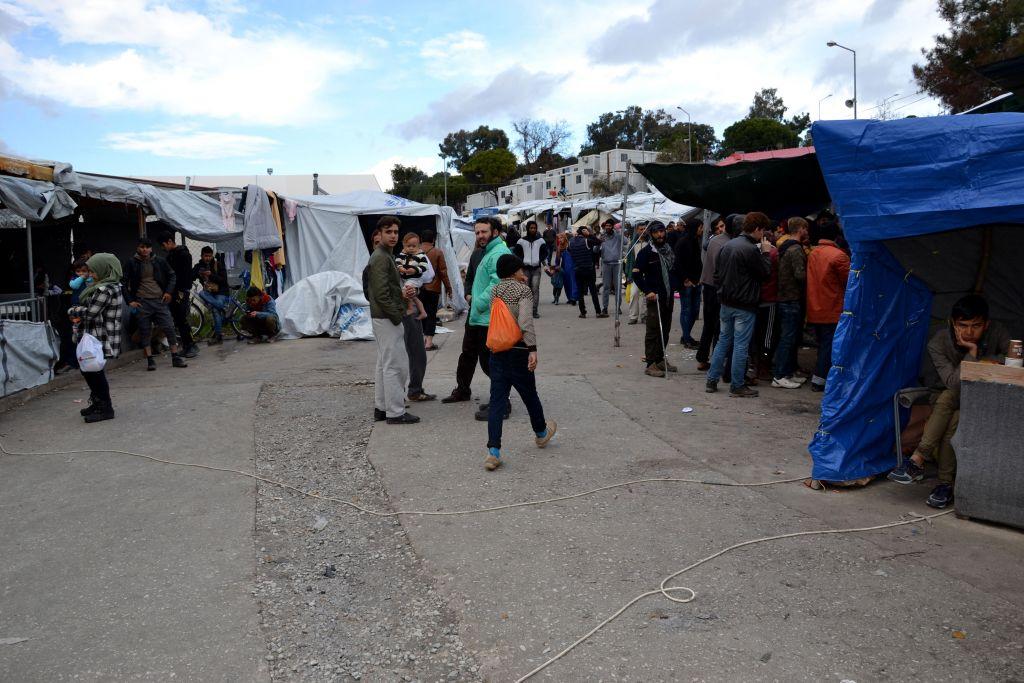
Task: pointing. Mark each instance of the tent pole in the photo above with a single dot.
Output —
(986, 255)
(618, 280)
(31, 265)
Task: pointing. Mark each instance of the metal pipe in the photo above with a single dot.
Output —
(31, 265)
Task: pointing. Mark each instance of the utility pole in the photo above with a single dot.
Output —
(689, 135)
(445, 160)
(618, 269)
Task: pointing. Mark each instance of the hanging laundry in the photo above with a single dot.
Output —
(260, 228)
(291, 208)
(227, 211)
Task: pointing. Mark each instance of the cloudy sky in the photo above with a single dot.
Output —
(232, 87)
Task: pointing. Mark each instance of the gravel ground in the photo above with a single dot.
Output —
(342, 595)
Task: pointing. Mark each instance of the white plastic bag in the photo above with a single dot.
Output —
(353, 322)
(90, 354)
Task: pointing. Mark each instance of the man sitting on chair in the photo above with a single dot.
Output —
(970, 336)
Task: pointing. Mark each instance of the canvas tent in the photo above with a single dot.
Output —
(330, 233)
(933, 209)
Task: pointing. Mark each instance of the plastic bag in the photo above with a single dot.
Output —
(353, 322)
(504, 332)
(90, 354)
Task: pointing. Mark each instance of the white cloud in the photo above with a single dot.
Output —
(454, 45)
(512, 93)
(188, 143)
(174, 61)
(382, 169)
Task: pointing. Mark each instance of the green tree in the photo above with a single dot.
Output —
(676, 147)
(490, 169)
(981, 32)
(403, 178)
(768, 105)
(459, 146)
(758, 135)
(432, 190)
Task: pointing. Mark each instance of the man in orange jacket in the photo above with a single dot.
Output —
(828, 267)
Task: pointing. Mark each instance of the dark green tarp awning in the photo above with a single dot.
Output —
(778, 187)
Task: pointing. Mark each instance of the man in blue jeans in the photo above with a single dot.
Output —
(742, 265)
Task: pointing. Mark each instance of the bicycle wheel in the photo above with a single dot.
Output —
(196, 319)
(235, 321)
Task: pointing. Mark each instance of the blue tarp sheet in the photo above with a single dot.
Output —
(889, 180)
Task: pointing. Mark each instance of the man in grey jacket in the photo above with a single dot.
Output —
(611, 266)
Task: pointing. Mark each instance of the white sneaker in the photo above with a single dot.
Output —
(784, 383)
(798, 380)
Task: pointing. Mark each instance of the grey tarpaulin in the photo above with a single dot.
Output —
(260, 228)
(27, 354)
(34, 200)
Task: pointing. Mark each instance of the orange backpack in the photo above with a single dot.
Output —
(504, 332)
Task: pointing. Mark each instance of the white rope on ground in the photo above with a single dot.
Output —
(378, 513)
(667, 590)
(662, 589)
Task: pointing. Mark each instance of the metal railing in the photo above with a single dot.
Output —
(17, 307)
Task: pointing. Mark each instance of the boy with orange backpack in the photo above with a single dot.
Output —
(513, 345)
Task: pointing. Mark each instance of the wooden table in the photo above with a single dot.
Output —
(989, 444)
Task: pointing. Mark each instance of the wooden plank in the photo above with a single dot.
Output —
(990, 372)
(25, 169)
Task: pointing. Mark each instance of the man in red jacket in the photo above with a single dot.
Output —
(828, 268)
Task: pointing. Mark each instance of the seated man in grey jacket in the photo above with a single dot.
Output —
(970, 336)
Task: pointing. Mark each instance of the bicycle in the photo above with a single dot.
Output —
(201, 318)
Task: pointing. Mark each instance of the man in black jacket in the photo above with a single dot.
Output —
(584, 252)
(742, 265)
(652, 274)
(150, 284)
(180, 260)
(471, 348)
(688, 272)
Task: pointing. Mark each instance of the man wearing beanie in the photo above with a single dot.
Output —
(515, 367)
(652, 273)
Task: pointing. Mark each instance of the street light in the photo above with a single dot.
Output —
(689, 136)
(819, 104)
(445, 160)
(833, 43)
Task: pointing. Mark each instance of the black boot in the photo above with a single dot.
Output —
(104, 411)
(178, 362)
(91, 408)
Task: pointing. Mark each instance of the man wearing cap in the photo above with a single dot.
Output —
(515, 367)
(611, 262)
(652, 271)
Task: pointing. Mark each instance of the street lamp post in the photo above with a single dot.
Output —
(833, 43)
(689, 134)
(819, 104)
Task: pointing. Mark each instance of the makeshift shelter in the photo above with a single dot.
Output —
(782, 183)
(933, 208)
(332, 233)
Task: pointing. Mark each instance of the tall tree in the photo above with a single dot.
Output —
(540, 143)
(459, 146)
(490, 169)
(403, 178)
(758, 135)
(767, 105)
(677, 147)
(432, 190)
(630, 128)
(981, 32)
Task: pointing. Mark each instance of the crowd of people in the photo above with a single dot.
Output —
(151, 293)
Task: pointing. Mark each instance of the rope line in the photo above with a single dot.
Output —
(396, 513)
(663, 588)
(667, 591)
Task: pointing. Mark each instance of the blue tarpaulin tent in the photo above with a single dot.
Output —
(933, 208)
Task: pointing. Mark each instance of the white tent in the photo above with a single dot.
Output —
(325, 235)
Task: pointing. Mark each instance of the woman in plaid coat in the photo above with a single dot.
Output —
(99, 314)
